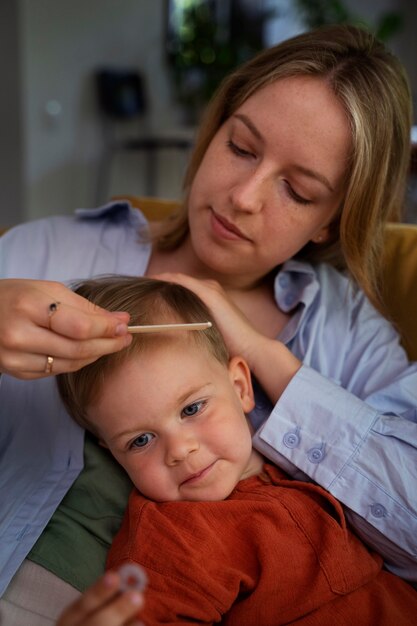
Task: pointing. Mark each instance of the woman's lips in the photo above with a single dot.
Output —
(225, 229)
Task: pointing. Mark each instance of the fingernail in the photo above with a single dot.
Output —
(121, 329)
(135, 598)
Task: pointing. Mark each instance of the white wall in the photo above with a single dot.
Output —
(63, 43)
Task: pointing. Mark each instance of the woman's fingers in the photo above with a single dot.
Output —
(81, 319)
(103, 605)
(56, 308)
(30, 366)
(40, 319)
(53, 306)
(238, 332)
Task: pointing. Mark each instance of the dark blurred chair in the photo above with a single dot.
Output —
(121, 97)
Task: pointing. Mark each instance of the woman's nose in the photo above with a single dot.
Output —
(249, 194)
(178, 447)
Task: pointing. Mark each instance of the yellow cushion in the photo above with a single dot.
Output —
(400, 282)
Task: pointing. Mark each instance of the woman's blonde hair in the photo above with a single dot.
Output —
(148, 301)
(373, 88)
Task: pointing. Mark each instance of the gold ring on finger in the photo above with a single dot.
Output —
(49, 364)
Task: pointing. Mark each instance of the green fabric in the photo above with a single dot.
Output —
(75, 543)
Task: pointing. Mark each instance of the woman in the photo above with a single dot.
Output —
(301, 160)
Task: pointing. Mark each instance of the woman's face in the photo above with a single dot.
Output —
(272, 178)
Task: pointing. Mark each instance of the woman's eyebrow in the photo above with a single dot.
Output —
(303, 170)
(243, 118)
(313, 174)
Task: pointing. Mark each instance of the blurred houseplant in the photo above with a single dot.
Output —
(317, 13)
(207, 39)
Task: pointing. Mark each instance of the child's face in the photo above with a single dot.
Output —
(174, 418)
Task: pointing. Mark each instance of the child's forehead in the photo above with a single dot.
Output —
(170, 343)
(206, 343)
(168, 372)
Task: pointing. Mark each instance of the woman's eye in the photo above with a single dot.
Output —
(142, 441)
(192, 409)
(295, 196)
(237, 150)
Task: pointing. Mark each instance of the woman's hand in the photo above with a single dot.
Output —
(104, 605)
(239, 334)
(73, 331)
(269, 360)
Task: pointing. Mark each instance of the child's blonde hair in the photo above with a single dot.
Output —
(148, 301)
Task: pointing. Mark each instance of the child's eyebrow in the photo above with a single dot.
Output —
(125, 433)
(193, 391)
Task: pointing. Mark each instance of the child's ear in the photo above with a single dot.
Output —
(241, 380)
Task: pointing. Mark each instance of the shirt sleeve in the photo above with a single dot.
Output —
(352, 429)
(188, 579)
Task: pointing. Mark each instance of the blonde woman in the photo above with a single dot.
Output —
(301, 160)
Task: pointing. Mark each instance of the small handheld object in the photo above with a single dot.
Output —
(133, 578)
(160, 328)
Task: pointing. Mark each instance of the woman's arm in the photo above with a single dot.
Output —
(363, 457)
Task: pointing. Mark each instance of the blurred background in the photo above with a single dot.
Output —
(102, 97)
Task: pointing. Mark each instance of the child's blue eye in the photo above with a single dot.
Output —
(142, 441)
(192, 409)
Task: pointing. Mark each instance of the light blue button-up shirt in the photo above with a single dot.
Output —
(347, 420)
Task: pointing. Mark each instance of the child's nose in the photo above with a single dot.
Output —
(179, 447)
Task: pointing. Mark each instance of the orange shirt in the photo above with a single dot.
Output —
(277, 551)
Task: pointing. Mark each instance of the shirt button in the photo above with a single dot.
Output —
(315, 455)
(378, 510)
(289, 300)
(283, 280)
(291, 439)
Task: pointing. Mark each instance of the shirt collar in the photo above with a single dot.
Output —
(119, 210)
(296, 286)
(295, 283)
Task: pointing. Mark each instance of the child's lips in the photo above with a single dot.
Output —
(195, 477)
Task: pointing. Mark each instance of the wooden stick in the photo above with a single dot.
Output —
(160, 328)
